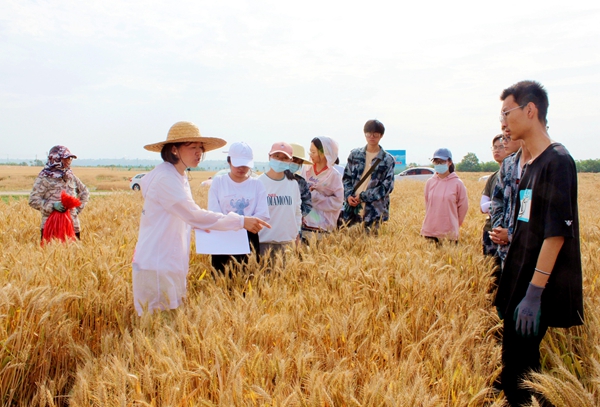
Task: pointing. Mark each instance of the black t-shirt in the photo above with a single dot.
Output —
(546, 206)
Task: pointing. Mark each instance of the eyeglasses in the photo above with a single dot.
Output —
(372, 135)
(497, 148)
(504, 114)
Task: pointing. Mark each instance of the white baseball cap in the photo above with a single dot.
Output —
(241, 155)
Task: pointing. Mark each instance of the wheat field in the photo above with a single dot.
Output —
(17, 178)
(355, 320)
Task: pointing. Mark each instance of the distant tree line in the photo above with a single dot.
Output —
(588, 165)
(470, 163)
(21, 164)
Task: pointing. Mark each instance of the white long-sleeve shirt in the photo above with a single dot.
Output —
(167, 218)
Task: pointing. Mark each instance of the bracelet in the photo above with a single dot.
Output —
(542, 272)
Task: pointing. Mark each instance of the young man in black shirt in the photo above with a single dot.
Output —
(541, 284)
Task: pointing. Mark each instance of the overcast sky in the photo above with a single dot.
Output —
(106, 77)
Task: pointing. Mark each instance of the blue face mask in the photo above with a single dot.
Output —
(441, 168)
(278, 166)
(294, 167)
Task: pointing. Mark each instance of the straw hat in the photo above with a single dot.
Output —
(300, 153)
(187, 132)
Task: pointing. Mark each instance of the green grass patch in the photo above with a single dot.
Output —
(8, 198)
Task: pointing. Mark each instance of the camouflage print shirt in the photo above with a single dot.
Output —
(503, 198)
(46, 191)
(377, 196)
(305, 195)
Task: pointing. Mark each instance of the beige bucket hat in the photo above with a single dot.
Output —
(299, 152)
(187, 132)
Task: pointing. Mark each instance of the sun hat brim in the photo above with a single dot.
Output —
(187, 132)
(208, 143)
(304, 159)
(299, 153)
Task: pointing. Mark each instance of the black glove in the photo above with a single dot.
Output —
(527, 314)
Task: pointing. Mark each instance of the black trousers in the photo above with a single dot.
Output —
(520, 356)
(219, 261)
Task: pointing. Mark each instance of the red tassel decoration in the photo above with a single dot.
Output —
(59, 225)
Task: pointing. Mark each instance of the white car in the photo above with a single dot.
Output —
(415, 174)
(134, 183)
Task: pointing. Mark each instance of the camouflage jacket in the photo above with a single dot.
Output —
(46, 191)
(503, 198)
(305, 196)
(377, 196)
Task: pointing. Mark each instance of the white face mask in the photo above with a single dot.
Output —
(441, 168)
(294, 167)
(278, 166)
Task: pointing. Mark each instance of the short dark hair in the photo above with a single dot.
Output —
(318, 144)
(529, 91)
(374, 126)
(167, 152)
(496, 138)
(450, 166)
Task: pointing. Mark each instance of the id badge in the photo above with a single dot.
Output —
(525, 208)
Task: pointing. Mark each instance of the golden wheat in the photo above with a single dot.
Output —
(353, 320)
(17, 178)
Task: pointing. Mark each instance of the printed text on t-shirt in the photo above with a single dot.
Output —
(275, 200)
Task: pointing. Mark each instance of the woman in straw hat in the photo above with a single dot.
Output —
(161, 258)
(299, 159)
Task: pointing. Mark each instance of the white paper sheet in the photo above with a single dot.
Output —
(222, 242)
